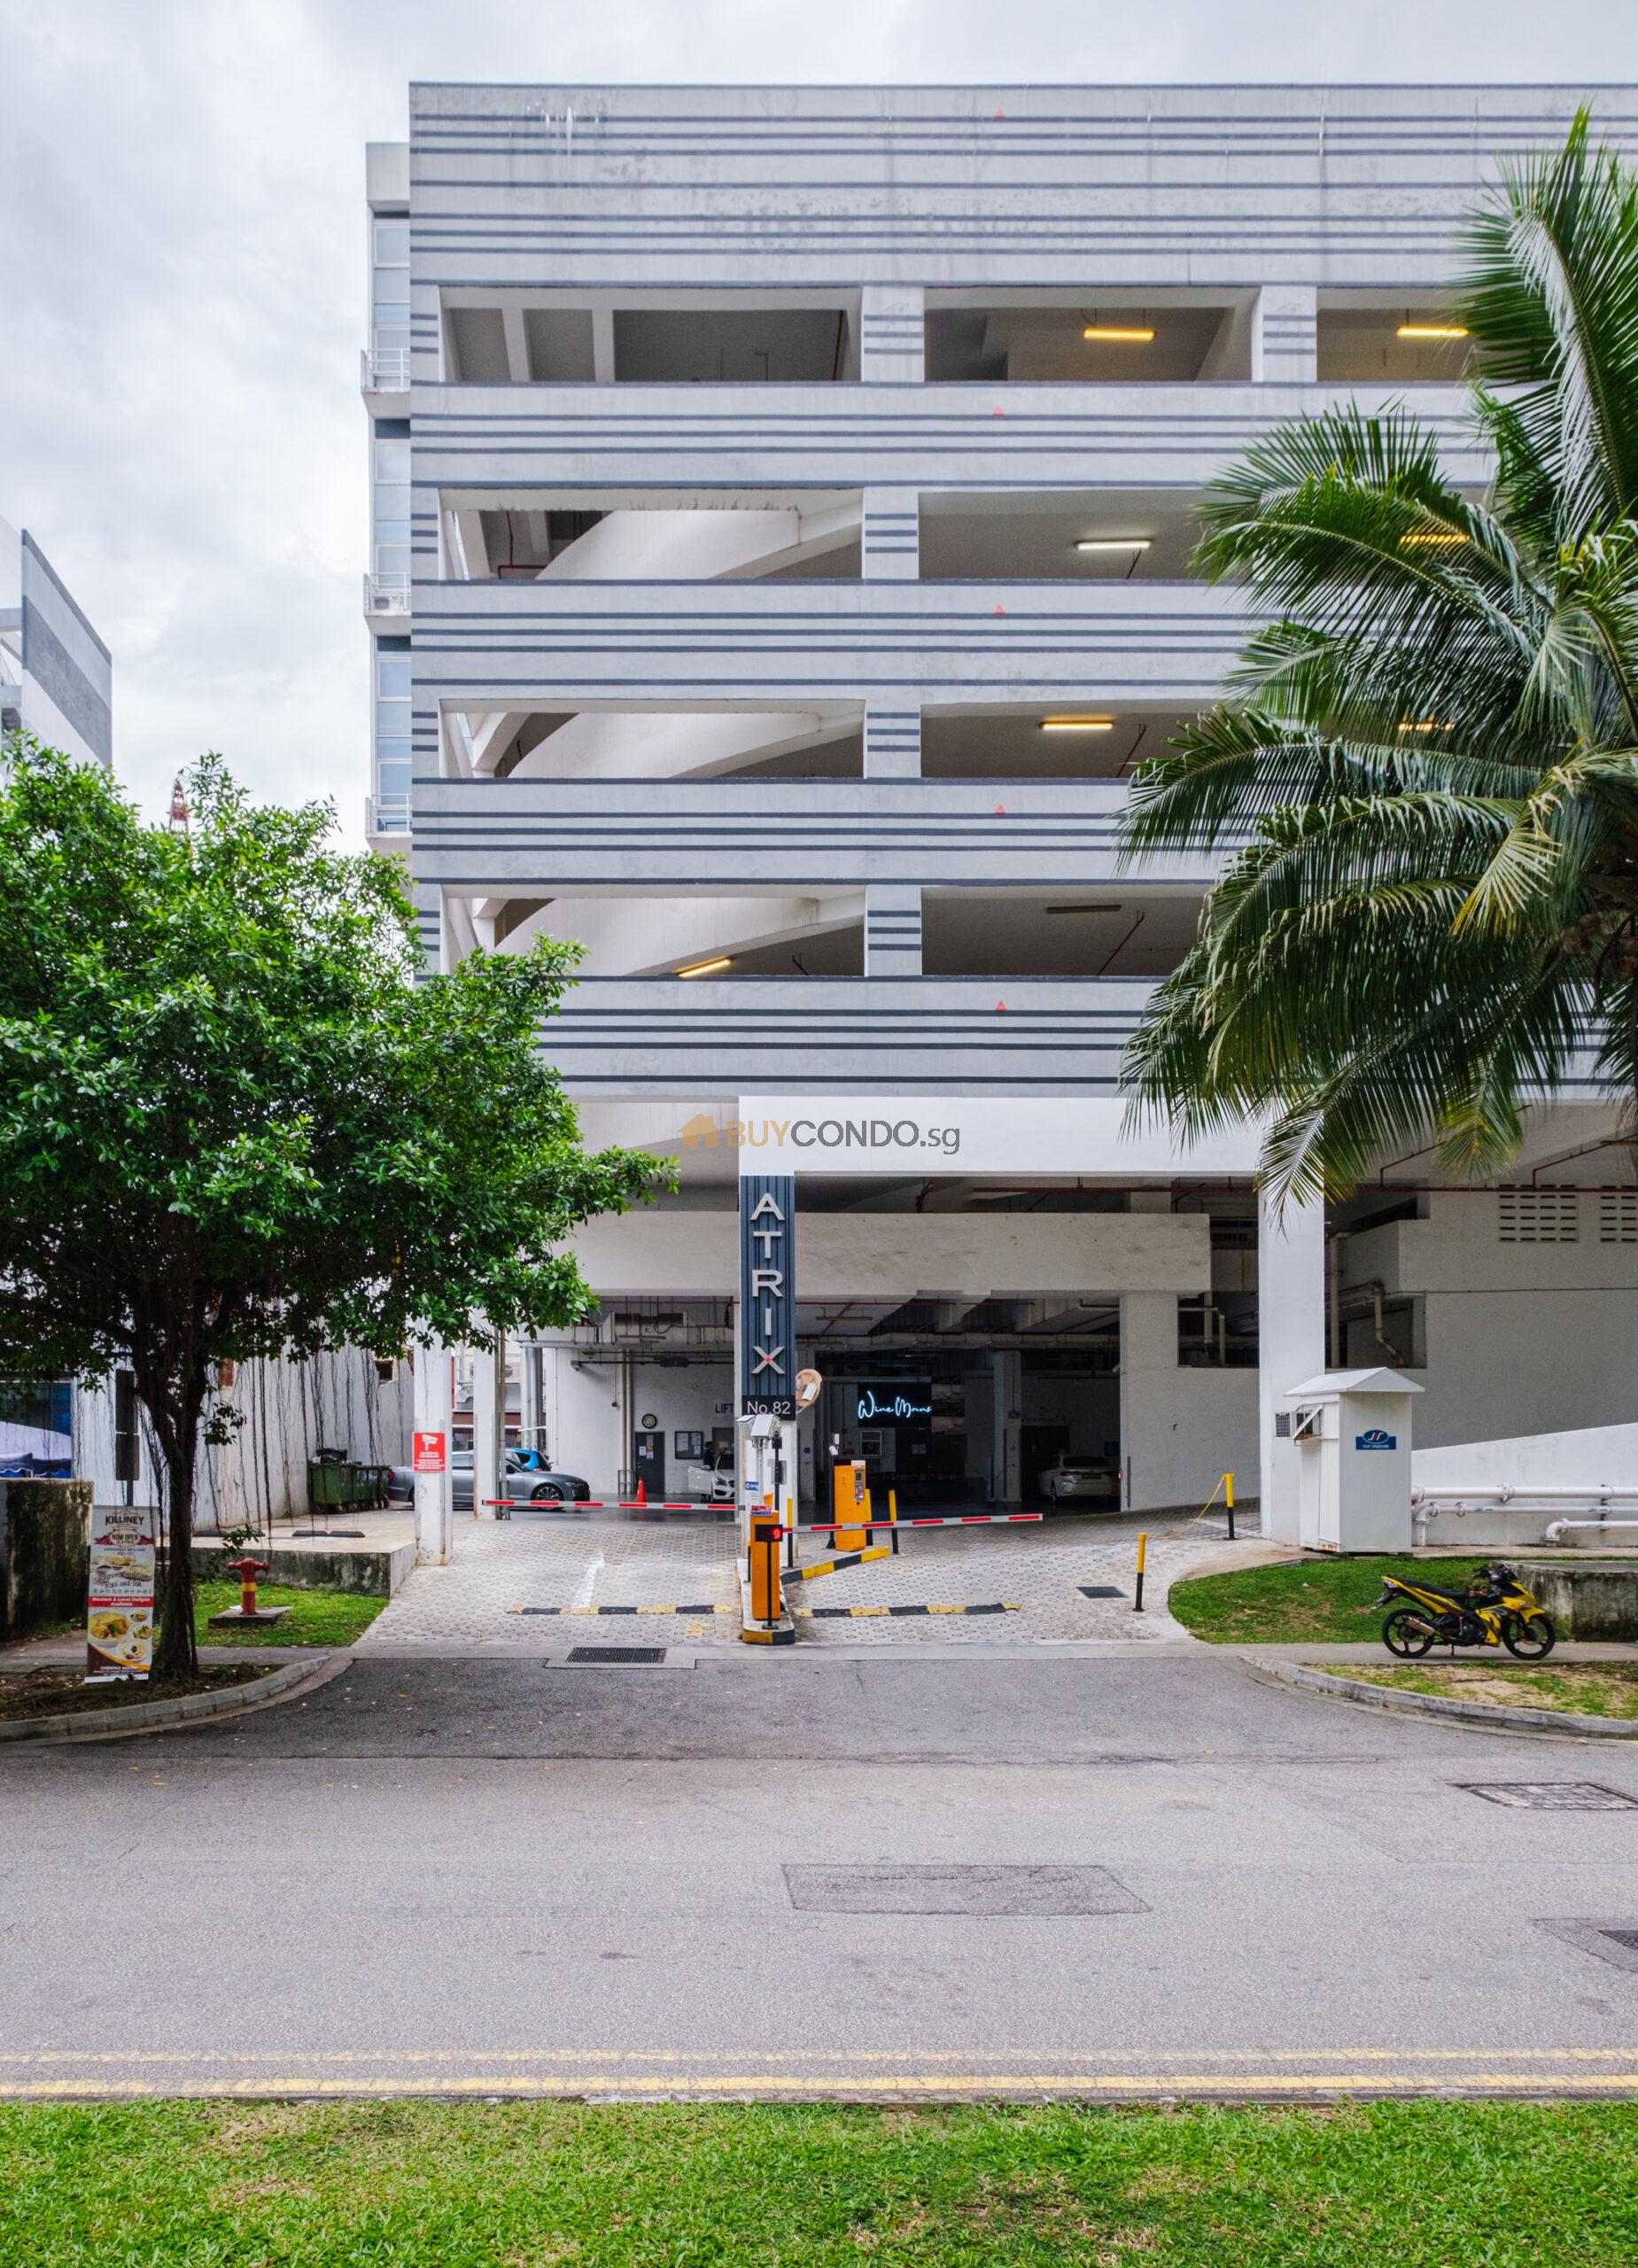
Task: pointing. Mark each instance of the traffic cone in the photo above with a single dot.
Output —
(643, 1494)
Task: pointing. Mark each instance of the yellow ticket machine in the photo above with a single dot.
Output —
(849, 1500)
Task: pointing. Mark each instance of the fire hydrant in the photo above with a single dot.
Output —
(247, 1570)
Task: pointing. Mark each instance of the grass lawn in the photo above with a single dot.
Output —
(1315, 1600)
(316, 1618)
(1588, 1689)
(395, 2185)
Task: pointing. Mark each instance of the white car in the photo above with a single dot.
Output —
(1080, 1480)
(712, 1477)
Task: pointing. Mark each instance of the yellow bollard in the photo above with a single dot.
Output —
(893, 1519)
(1228, 1487)
(1143, 1542)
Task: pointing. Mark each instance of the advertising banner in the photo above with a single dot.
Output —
(118, 1608)
(897, 1134)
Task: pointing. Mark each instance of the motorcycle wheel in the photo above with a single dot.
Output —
(1531, 1637)
(1407, 1635)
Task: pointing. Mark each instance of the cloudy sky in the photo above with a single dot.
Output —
(182, 275)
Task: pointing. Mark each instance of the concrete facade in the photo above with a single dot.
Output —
(56, 675)
(783, 502)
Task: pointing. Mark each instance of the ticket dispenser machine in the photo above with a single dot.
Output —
(1352, 1431)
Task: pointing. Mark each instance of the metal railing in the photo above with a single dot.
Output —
(387, 814)
(386, 594)
(383, 370)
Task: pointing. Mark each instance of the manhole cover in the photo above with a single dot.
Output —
(617, 1653)
(1100, 1590)
(959, 1889)
(1551, 1795)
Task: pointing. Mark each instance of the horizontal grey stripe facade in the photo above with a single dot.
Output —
(933, 1035)
(512, 645)
(487, 439)
(62, 654)
(519, 836)
(624, 185)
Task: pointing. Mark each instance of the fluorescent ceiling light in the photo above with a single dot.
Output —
(1431, 330)
(1103, 907)
(1078, 725)
(704, 967)
(1121, 335)
(1113, 542)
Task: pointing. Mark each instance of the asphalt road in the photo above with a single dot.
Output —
(495, 1876)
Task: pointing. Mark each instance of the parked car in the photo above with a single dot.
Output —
(1079, 1480)
(711, 1476)
(527, 1477)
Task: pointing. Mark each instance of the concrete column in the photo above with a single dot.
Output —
(891, 543)
(892, 929)
(892, 743)
(602, 344)
(892, 333)
(1291, 1341)
(488, 1379)
(1148, 1399)
(530, 1422)
(1284, 334)
(434, 1521)
(1007, 1386)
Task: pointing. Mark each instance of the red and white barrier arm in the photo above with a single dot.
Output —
(960, 1520)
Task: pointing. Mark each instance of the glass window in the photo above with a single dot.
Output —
(392, 676)
(391, 461)
(392, 502)
(392, 287)
(392, 244)
(392, 776)
(392, 559)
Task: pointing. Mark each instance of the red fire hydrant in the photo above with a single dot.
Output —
(247, 1570)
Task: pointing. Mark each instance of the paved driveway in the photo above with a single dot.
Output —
(542, 1583)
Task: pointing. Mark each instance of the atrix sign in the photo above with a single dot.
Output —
(768, 1295)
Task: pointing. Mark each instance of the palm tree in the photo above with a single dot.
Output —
(1426, 768)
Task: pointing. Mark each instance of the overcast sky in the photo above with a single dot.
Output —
(182, 279)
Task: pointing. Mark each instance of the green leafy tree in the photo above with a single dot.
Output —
(233, 1123)
(1426, 768)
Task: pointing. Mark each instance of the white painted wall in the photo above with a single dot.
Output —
(1587, 1456)
(878, 1255)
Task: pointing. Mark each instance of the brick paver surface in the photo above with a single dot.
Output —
(610, 1560)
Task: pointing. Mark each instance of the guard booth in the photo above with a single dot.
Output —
(1351, 1429)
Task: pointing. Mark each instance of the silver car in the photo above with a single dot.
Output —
(1080, 1480)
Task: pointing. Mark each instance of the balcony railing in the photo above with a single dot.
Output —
(386, 594)
(384, 369)
(386, 815)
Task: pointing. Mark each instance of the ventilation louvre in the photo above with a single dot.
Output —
(1617, 1216)
(1538, 1216)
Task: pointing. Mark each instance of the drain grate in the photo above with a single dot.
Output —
(1100, 1590)
(617, 1653)
(1551, 1795)
(959, 1889)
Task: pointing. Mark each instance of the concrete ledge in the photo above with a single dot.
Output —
(371, 1574)
(162, 1716)
(1435, 1705)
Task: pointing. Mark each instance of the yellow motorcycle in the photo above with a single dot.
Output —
(1495, 1610)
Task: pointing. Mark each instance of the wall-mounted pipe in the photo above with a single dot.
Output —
(1556, 1529)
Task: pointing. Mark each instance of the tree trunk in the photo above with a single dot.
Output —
(176, 1430)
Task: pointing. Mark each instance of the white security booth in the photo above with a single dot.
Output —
(1351, 1429)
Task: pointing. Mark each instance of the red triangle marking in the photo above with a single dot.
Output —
(1000, 610)
(998, 411)
(1000, 113)
(1000, 811)
(1000, 1008)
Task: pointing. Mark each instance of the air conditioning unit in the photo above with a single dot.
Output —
(1300, 1425)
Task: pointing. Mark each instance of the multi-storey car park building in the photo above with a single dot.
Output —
(783, 509)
